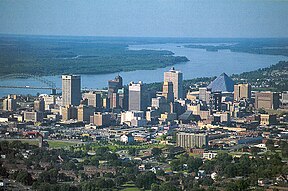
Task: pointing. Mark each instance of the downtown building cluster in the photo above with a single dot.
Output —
(205, 116)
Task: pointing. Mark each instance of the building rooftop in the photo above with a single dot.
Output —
(222, 83)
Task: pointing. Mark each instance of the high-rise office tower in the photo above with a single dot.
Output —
(136, 96)
(242, 91)
(94, 99)
(205, 94)
(113, 86)
(217, 101)
(176, 77)
(71, 90)
(167, 91)
(9, 104)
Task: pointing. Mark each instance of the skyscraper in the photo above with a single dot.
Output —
(136, 96)
(176, 77)
(71, 90)
(242, 91)
(167, 91)
(9, 104)
(113, 86)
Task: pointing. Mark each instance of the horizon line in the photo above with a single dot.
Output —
(112, 36)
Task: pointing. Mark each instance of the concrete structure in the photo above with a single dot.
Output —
(127, 138)
(69, 112)
(71, 90)
(49, 101)
(266, 119)
(167, 91)
(242, 91)
(176, 77)
(84, 112)
(9, 104)
(94, 99)
(191, 140)
(136, 96)
(113, 86)
(39, 105)
(205, 94)
(101, 119)
(133, 118)
(267, 100)
(33, 116)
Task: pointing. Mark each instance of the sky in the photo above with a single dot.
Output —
(146, 18)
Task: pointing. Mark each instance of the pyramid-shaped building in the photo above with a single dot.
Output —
(222, 83)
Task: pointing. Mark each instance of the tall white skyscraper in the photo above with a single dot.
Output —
(136, 96)
(176, 77)
(71, 90)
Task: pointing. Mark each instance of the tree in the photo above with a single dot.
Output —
(156, 151)
(145, 180)
(24, 177)
(270, 144)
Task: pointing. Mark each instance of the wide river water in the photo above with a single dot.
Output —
(202, 64)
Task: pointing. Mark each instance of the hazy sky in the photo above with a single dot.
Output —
(165, 18)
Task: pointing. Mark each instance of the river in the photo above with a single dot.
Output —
(202, 64)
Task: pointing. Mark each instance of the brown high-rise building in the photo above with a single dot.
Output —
(242, 91)
(168, 91)
(71, 90)
(267, 100)
(176, 77)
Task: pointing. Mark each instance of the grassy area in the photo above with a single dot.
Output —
(130, 187)
(60, 144)
(52, 143)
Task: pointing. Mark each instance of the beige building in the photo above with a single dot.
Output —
(94, 99)
(33, 116)
(242, 91)
(100, 119)
(167, 91)
(71, 90)
(191, 140)
(9, 104)
(266, 119)
(68, 112)
(267, 100)
(84, 113)
(176, 77)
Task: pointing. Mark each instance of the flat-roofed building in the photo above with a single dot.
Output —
(191, 140)
(267, 100)
(176, 77)
(33, 116)
(266, 119)
(71, 90)
(136, 96)
(101, 119)
(242, 91)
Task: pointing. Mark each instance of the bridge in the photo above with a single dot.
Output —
(49, 84)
